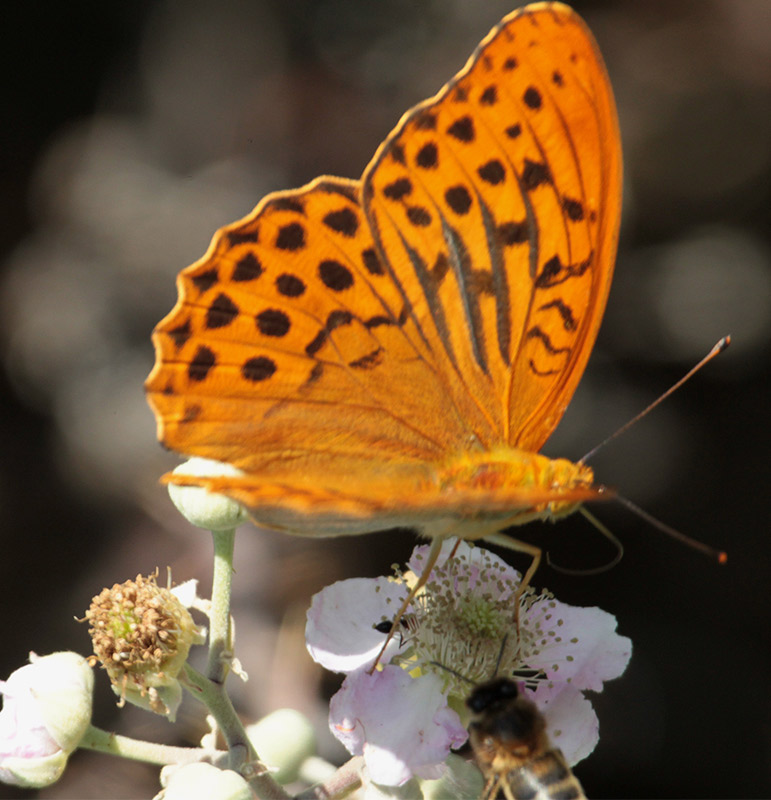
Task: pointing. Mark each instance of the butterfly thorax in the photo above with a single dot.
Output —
(548, 482)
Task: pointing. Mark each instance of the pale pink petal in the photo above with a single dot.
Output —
(46, 711)
(401, 725)
(419, 555)
(340, 633)
(571, 723)
(22, 730)
(579, 644)
(482, 572)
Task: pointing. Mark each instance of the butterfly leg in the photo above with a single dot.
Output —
(509, 542)
(433, 556)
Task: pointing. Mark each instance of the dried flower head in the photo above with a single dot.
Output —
(142, 636)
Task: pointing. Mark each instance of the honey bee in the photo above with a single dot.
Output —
(508, 737)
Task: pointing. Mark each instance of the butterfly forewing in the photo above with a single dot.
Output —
(496, 205)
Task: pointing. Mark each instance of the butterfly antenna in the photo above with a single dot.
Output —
(605, 531)
(718, 555)
(716, 350)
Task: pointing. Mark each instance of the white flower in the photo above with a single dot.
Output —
(458, 632)
(46, 712)
(402, 726)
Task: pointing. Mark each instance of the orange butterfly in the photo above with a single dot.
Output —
(394, 351)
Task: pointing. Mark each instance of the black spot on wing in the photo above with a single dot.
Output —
(290, 285)
(462, 129)
(258, 369)
(203, 360)
(535, 174)
(343, 221)
(291, 237)
(273, 322)
(180, 334)
(243, 237)
(205, 280)
(247, 268)
(221, 312)
(287, 204)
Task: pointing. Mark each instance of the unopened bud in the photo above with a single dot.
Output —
(203, 508)
(46, 711)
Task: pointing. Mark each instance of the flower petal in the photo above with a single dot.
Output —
(46, 711)
(571, 722)
(401, 725)
(464, 551)
(186, 592)
(340, 633)
(579, 644)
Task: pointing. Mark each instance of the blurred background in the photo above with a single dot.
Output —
(133, 130)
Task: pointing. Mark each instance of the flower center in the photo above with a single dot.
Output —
(463, 628)
(479, 616)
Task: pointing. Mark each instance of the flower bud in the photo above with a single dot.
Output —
(202, 781)
(46, 711)
(283, 740)
(142, 635)
(203, 508)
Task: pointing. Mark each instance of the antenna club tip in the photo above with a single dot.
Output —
(722, 557)
(723, 343)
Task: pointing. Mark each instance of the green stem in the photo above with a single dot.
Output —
(243, 758)
(332, 786)
(220, 639)
(210, 688)
(149, 752)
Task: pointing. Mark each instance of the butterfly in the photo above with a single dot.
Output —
(508, 738)
(394, 351)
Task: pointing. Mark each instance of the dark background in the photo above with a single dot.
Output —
(133, 130)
